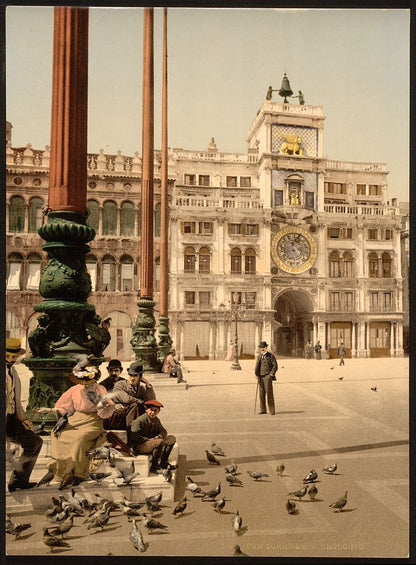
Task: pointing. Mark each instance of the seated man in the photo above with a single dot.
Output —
(115, 368)
(129, 396)
(148, 436)
(172, 366)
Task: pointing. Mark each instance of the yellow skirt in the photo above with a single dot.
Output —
(68, 451)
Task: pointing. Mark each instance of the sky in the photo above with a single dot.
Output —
(354, 63)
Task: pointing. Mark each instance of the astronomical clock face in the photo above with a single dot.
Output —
(293, 250)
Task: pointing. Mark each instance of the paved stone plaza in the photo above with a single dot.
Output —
(320, 420)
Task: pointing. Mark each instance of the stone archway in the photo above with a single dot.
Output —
(293, 323)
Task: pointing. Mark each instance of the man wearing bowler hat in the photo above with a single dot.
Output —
(19, 429)
(148, 436)
(266, 367)
(129, 396)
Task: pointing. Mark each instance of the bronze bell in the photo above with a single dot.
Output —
(285, 89)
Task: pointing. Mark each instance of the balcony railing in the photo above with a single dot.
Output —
(361, 210)
(188, 201)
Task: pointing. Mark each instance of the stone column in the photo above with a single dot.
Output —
(165, 341)
(143, 340)
(68, 325)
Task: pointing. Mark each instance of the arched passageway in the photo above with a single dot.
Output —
(293, 323)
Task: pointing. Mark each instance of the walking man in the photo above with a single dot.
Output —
(19, 429)
(341, 353)
(266, 367)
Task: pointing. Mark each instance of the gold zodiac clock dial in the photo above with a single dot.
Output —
(293, 250)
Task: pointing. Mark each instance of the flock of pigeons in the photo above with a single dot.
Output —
(65, 509)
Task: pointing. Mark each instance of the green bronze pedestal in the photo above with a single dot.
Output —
(143, 339)
(165, 341)
(67, 326)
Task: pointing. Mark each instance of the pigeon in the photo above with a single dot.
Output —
(152, 524)
(106, 508)
(71, 506)
(46, 479)
(340, 378)
(280, 468)
(153, 506)
(80, 499)
(330, 469)
(98, 477)
(52, 541)
(291, 506)
(218, 505)
(238, 552)
(193, 487)
(127, 474)
(39, 428)
(232, 469)
(312, 491)
(105, 399)
(64, 527)
(216, 449)
(256, 475)
(214, 492)
(60, 425)
(237, 522)
(127, 511)
(136, 537)
(233, 480)
(94, 396)
(59, 516)
(311, 477)
(82, 362)
(70, 479)
(100, 521)
(211, 458)
(374, 388)
(102, 452)
(167, 474)
(300, 493)
(130, 503)
(180, 507)
(155, 498)
(340, 503)
(15, 529)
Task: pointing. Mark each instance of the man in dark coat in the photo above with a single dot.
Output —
(266, 367)
(129, 396)
(148, 436)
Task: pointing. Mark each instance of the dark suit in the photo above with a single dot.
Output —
(266, 367)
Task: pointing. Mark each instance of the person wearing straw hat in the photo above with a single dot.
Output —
(19, 429)
(84, 429)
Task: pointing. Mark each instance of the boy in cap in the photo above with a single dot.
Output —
(19, 428)
(266, 367)
(129, 396)
(148, 436)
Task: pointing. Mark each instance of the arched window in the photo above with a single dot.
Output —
(35, 213)
(17, 214)
(91, 264)
(373, 265)
(334, 264)
(14, 271)
(250, 262)
(34, 263)
(93, 218)
(348, 263)
(236, 261)
(109, 218)
(157, 220)
(189, 260)
(204, 260)
(108, 273)
(386, 265)
(126, 273)
(127, 219)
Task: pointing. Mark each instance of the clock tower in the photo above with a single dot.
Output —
(288, 139)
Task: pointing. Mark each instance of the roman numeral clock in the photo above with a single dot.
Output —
(294, 250)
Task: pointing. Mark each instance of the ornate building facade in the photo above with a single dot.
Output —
(279, 241)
